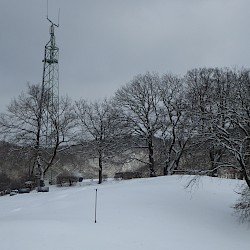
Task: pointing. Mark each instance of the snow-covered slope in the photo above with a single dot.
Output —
(156, 213)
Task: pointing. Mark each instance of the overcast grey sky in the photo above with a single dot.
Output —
(105, 43)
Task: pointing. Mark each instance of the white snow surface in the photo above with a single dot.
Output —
(149, 214)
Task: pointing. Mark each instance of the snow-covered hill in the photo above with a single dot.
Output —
(156, 213)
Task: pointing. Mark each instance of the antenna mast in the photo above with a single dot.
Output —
(48, 115)
(50, 83)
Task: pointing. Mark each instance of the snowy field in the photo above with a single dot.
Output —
(143, 214)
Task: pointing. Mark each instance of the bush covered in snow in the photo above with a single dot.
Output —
(66, 178)
(242, 207)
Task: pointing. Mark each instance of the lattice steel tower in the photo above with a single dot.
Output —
(50, 84)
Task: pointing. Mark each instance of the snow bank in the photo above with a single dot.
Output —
(156, 213)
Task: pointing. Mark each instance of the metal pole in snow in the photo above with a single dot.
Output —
(95, 203)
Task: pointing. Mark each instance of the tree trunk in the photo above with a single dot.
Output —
(168, 170)
(41, 171)
(244, 171)
(100, 168)
(151, 157)
(246, 178)
(41, 181)
(215, 157)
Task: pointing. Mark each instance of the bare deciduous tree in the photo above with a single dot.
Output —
(207, 95)
(175, 131)
(139, 105)
(37, 131)
(219, 101)
(101, 130)
(235, 134)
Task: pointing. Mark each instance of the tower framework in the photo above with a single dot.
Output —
(48, 115)
(50, 83)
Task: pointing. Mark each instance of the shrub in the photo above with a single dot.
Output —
(127, 175)
(23, 190)
(30, 184)
(43, 189)
(4, 182)
(104, 177)
(242, 207)
(66, 178)
(118, 176)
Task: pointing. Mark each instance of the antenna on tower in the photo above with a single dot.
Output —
(48, 116)
(52, 23)
(50, 83)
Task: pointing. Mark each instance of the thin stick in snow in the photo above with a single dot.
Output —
(95, 203)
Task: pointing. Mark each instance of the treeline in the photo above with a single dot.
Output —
(174, 120)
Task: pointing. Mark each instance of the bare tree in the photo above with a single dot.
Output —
(219, 104)
(207, 98)
(235, 134)
(242, 206)
(175, 131)
(100, 128)
(139, 105)
(36, 130)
